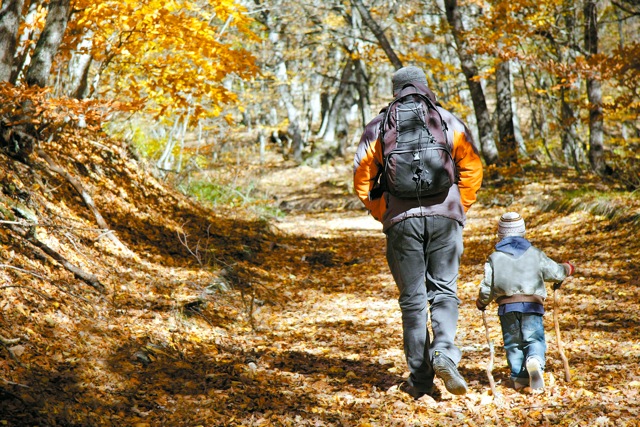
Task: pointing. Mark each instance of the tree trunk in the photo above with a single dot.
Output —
(10, 14)
(335, 117)
(78, 85)
(378, 33)
(274, 28)
(362, 86)
(506, 131)
(470, 71)
(284, 90)
(517, 129)
(594, 91)
(571, 146)
(48, 43)
(25, 41)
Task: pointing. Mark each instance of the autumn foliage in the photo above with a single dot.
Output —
(245, 287)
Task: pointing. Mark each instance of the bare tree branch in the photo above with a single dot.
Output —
(378, 32)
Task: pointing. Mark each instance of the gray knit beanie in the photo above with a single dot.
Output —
(406, 75)
(511, 224)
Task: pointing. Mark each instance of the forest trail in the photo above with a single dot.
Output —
(339, 333)
(221, 320)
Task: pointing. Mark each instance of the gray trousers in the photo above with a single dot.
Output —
(424, 256)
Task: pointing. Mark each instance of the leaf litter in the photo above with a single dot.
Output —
(215, 318)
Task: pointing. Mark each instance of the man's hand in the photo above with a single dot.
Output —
(480, 306)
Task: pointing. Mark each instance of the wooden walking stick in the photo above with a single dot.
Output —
(567, 373)
(492, 383)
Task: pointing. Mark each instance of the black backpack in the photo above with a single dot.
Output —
(416, 151)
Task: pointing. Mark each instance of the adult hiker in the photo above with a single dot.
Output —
(424, 232)
(514, 277)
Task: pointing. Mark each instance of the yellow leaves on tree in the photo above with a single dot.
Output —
(172, 55)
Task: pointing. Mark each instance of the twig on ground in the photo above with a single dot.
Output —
(88, 278)
(7, 341)
(22, 271)
(35, 291)
(6, 381)
(86, 197)
(44, 279)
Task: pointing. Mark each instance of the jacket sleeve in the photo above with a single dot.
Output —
(366, 165)
(551, 270)
(468, 162)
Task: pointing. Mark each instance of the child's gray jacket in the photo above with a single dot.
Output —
(508, 278)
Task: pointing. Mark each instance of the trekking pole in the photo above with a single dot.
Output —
(492, 383)
(567, 373)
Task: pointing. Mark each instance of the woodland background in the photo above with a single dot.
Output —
(180, 244)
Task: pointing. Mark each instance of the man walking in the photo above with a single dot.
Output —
(424, 242)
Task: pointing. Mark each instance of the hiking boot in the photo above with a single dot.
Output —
(536, 381)
(447, 371)
(417, 394)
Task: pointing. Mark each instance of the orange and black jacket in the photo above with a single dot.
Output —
(452, 204)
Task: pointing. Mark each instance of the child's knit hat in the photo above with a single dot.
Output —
(511, 224)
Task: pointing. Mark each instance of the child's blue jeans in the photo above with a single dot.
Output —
(523, 336)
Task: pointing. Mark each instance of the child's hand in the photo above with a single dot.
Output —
(480, 306)
(569, 268)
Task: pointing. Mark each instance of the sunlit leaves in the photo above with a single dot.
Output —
(173, 55)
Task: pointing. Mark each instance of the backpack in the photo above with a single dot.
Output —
(417, 155)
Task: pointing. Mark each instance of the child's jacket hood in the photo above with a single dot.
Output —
(513, 245)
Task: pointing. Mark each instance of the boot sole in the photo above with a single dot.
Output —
(536, 381)
(454, 384)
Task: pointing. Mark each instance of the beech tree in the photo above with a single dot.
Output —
(594, 89)
(48, 43)
(10, 14)
(506, 131)
(470, 70)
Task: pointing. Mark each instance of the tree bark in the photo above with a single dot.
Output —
(284, 90)
(377, 32)
(506, 130)
(10, 14)
(335, 120)
(570, 140)
(48, 43)
(25, 40)
(470, 71)
(78, 85)
(594, 92)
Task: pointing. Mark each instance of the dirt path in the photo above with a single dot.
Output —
(332, 355)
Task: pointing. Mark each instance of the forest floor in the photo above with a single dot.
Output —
(211, 316)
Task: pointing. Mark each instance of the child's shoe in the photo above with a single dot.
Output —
(536, 380)
(520, 384)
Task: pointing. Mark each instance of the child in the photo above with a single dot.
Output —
(514, 277)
